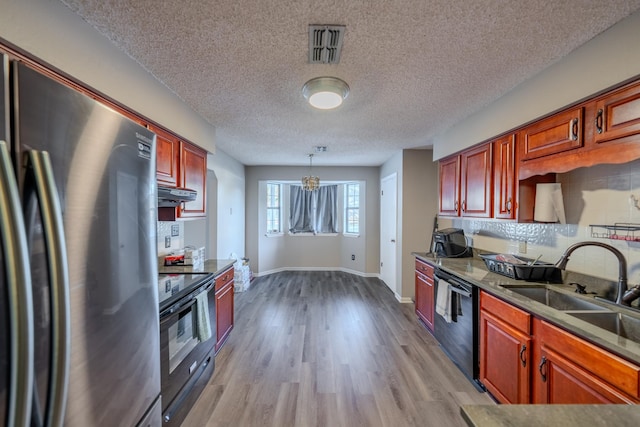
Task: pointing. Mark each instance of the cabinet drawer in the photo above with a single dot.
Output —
(224, 278)
(621, 374)
(558, 133)
(424, 268)
(521, 320)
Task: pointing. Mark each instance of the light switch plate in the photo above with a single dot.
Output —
(175, 230)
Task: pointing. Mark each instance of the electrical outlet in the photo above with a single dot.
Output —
(167, 241)
(353, 257)
(522, 247)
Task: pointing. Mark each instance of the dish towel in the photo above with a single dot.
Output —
(443, 300)
(204, 323)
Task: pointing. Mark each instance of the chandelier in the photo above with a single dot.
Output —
(310, 182)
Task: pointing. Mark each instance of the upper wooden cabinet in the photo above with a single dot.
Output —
(167, 157)
(193, 175)
(476, 179)
(466, 183)
(555, 134)
(180, 164)
(504, 177)
(450, 186)
(617, 115)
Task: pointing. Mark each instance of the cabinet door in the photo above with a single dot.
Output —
(571, 370)
(505, 350)
(224, 314)
(167, 155)
(450, 186)
(476, 177)
(565, 382)
(504, 177)
(555, 134)
(193, 175)
(505, 355)
(425, 303)
(618, 115)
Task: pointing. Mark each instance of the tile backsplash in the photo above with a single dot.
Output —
(603, 194)
(174, 230)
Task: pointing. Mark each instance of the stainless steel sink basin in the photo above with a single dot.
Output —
(620, 324)
(554, 299)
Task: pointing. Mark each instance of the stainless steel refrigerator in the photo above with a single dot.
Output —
(79, 331)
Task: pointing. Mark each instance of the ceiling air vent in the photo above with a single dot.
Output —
(325, 43)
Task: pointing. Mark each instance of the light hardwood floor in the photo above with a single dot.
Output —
(330, 349)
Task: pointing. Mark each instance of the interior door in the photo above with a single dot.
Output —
(388, 232)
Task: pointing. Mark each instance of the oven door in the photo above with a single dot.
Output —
(182, 347)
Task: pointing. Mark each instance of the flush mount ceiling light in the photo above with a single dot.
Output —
(325, 93)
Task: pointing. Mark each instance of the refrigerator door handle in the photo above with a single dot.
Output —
(39, 164)
(18, 273)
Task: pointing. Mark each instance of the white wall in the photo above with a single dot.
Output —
(53, 33)
(312, 252)
(230, 212)
(606, 60)
(417, 207)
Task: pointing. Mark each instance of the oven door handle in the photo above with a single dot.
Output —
(175, 311)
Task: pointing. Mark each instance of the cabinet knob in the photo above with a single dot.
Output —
(508, 205)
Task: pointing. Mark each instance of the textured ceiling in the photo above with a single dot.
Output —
(415, 67)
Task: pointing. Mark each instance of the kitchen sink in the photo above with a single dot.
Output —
(620, 324)
(553, 298)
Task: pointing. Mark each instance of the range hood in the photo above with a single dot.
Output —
(170, 197)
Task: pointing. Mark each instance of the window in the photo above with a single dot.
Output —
(274, 203)
(352, 208)
(313, 211)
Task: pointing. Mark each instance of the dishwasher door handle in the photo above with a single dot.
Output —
(463, 292)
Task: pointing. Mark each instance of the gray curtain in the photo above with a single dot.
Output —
(313, 211)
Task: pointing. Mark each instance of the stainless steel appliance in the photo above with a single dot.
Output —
(187, 340)
(78, 289)
(460, 338)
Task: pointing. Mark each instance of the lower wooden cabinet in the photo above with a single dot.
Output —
(524, 359)
(224, 307)
(505, 350)
(570, 370)
(424, 293)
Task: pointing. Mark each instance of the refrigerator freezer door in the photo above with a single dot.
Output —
(104, 168)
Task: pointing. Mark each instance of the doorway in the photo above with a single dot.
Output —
(388, 231)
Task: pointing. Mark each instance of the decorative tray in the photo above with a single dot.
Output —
(523, 268)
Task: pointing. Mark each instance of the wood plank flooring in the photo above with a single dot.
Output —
(330, 349)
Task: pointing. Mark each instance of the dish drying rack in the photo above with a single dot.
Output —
(617, 231)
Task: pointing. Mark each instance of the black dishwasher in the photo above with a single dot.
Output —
(460, 338)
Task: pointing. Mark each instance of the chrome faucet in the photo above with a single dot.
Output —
(622, 264)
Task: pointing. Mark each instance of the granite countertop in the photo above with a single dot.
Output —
(214, 266)
(550, 415)
(474, 271)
